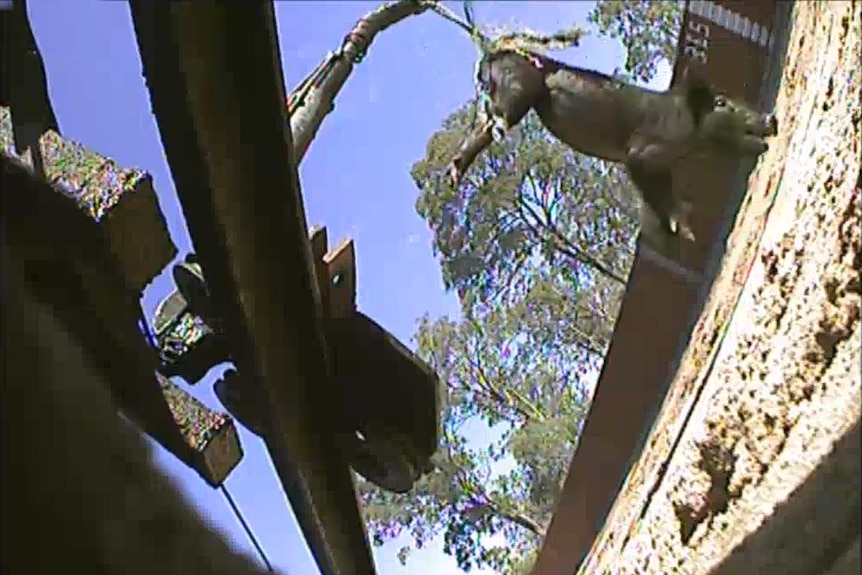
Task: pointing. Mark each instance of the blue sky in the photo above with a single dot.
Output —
(355, 180)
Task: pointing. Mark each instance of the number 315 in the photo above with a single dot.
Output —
(696, 41)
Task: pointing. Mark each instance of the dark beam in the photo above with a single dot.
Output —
(23, 84)
(214, 74)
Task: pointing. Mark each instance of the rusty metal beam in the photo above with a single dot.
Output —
(214, 74)
(637, 372)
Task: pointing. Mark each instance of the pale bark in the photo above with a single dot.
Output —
(319, 101)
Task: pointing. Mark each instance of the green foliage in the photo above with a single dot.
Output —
(537, 242)
(528, 197)
(648, 30)
(495, 373)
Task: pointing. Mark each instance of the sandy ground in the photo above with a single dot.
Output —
(770, 382)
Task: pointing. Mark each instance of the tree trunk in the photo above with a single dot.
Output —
(315, 97)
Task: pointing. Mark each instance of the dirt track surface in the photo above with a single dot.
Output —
(772, 396)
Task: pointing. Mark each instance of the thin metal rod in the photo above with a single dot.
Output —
(249, 533)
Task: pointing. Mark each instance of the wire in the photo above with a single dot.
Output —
(144, 326)
(249, 533)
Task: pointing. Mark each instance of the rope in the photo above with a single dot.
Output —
(486, 47)
(358, 39)
(151, 340)
(483, 99)
(297, 98)
(483, 46)
(249, 533)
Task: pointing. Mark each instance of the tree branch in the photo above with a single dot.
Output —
(564, 246)
(528, 412)
(472, 490)
(513, 274)
(588, 343)
(535, 412)
(518, 519)
(319, 99)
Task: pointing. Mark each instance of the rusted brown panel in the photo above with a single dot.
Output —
(761, 11)
(710, 184)
(733, 64)
(657, 305)
(654, 313)
(719, 43)
(341, 279)
(725, 42)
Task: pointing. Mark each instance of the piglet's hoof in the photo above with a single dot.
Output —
(681, 230)
(678, 222)
(686, 234)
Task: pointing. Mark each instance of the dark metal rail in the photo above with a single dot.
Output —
(214, 74)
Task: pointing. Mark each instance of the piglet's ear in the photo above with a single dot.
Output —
(699, 93)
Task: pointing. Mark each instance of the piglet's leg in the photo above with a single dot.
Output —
(476, 143)
(654, 180)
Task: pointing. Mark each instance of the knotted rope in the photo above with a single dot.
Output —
(297, 98)
(524, 42)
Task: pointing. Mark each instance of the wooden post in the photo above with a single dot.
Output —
(80, 279)
(121, 200)
(211, 435)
